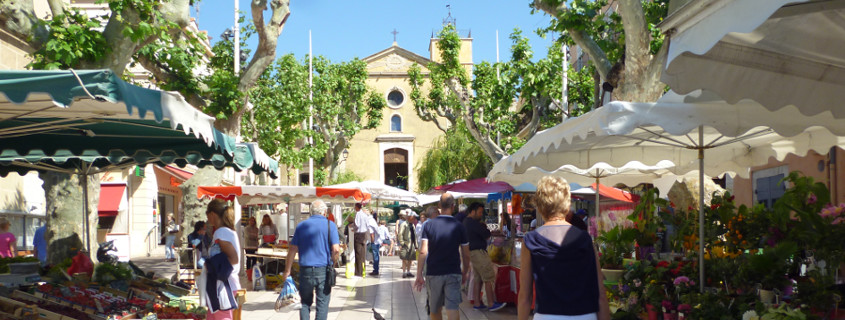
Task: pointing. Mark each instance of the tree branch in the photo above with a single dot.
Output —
(268, 37)
(57, 7)
(123, 47)
(490, 148)
(161, 73)
(581, 38)
(636, 35)
(592, 49)
(528, 131)
(18, 18)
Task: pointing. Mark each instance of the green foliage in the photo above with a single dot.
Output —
(504, 95)
(451, 158)
(105, 273)
(4, 262)
(73, 40)
(769, 267)
(646, 221)
(614, 245)
(343, 105)
(344, 177)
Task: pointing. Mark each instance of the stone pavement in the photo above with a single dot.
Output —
(353, 299)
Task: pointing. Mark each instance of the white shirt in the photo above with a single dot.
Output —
(362, 222)
(382, 234)
(418, 231)
(228, 235)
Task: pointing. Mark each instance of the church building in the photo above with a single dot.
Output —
(391, 152)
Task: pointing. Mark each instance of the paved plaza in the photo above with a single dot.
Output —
(352, 299)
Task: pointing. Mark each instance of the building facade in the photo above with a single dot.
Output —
(391, 152)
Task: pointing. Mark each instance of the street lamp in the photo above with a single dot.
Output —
(228, 34)
(345, 154)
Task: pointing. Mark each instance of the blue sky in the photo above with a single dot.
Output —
(343, 30)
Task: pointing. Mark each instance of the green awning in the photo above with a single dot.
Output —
(49, 121)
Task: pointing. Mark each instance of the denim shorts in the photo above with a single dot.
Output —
(444, 291)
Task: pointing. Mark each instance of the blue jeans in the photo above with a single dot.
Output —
(313, 279)
(168, 246)
(374, 247)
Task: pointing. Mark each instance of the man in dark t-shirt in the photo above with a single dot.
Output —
(447, 266)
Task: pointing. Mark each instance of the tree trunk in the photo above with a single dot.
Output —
(65, 234)
(193, 209)
(18, 17)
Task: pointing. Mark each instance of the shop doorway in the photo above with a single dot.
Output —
(396, 168)
(166, 205)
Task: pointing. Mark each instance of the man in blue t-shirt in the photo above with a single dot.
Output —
(445, 252)
(311, 240)
(40, 244)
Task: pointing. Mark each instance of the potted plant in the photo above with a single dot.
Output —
(769, 269)
(647, 222)
(613, 245)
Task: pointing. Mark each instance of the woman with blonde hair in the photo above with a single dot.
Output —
(8, 242)
(561, 260)
(220, 271)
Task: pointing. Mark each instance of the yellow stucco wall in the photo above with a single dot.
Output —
(388, 71)
(13, 52)
(465, 53)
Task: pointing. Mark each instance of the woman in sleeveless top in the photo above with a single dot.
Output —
(558, 261)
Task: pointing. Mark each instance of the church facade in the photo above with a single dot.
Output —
(391, 152)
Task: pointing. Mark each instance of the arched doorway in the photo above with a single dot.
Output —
(396, 168)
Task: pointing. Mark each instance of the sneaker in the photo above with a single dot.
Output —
(373, 273)
(497, 306)
(480, 307)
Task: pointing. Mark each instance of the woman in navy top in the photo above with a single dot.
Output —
(559, 259)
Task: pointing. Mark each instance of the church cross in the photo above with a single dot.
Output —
(394, 34)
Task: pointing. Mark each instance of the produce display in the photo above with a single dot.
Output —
(168, 312)
(111, 291)
(93, 299)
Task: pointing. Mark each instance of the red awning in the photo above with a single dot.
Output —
(616, 194)
(111, 196)
(178, 173)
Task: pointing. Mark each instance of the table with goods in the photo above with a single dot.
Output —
(82, 291)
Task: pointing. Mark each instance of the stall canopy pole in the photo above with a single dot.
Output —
(598, 215)
(85, 213)
(701, 208)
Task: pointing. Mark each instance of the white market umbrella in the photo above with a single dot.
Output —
(733, 138)
(631, 173)
(775, 52)
(380, 191)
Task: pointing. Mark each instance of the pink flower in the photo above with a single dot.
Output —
(812, 198)
(611, 216)
(681, 279)
(838, 220)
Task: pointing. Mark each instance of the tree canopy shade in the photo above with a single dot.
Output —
(342, 106)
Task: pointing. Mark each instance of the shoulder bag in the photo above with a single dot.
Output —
(331, 273)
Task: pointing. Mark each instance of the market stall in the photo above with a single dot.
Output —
(258, 195)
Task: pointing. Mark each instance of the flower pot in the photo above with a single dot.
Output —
(652, 312)
(681, 316)
(668, 316)
(612, 275)
(767, 296)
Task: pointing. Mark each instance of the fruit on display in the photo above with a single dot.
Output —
(89, 298)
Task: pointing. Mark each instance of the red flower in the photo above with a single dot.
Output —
(663, 264)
